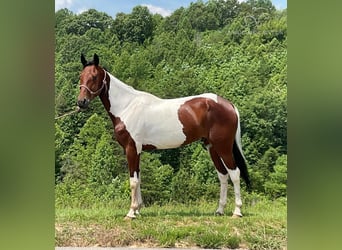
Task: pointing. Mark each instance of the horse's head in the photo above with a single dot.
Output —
(92, 81)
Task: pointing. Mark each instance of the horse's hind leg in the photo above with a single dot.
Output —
(222, 174)
(235, 177)
(234, 174)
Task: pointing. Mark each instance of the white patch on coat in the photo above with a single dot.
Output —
(148, 119)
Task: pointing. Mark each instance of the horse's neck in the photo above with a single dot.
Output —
(118, 88)
(122, 98)
(120, 95)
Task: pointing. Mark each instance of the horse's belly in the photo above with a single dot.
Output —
(169, 134)
(170, 140)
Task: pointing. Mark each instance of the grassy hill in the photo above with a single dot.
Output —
(264, 226)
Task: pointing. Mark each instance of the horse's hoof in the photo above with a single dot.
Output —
(219, 213)
(128, 218)
(237, 216)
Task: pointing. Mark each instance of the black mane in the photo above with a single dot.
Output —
(92, 63)
(89, 63)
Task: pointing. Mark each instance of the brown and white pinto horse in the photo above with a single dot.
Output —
(143, 121)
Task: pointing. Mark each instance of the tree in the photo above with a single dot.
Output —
(155, 179)
(78, 159)
(224, 10)
(276, 184)
(201, 18)
(171, 23)
(59, 141)
(103, 161)
(80, 24)
(135, 27)
(63, 18)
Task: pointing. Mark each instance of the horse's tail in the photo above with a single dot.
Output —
(238, 155)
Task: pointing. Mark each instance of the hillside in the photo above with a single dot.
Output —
(236, 50)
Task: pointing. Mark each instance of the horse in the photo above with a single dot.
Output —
(143, 121)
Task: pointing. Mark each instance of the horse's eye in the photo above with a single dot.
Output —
(94, 78)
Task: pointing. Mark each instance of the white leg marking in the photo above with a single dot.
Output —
(134, 183)
(223, 192)
(139, 198)
(235, 177)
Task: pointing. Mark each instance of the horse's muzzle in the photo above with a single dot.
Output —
(83, 103)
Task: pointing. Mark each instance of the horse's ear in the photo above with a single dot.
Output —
(96, 59)
(83, 60)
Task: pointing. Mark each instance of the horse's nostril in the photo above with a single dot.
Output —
(83, 103)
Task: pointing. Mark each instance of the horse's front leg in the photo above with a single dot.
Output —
(134, 181)
(134, 185)
(139, 198)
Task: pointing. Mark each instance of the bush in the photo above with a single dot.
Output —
(155, 179)
(276, 184)
(74, 194)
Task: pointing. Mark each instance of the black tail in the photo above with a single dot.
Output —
(241, 163)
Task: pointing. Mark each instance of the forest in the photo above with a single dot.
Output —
(236, 50)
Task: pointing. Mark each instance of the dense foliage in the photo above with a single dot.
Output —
(236, 50)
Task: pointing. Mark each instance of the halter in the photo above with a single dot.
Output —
(104, 83)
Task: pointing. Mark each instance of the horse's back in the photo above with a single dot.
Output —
(170, 123)
(167, 120)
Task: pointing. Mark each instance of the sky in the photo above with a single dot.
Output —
(112, 7)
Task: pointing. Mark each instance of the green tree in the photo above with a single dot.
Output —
(224, 10)
(260, 173)
(201, 17)
(78, 159)
(276, 184)
(171, 23)
(184, 187)
(63, 18)
(135, 27)
(103, 161)
(59, 150)
(155, 179)
(89, 19)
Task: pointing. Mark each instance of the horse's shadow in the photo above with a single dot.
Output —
(173, 214)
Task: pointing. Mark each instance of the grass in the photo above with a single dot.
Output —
(175, 225)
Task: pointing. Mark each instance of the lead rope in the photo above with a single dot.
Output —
(78, 109)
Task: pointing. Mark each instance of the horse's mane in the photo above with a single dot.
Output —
(89, 63)
(92, 63)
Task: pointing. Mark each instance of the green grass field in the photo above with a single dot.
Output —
(264, 226)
